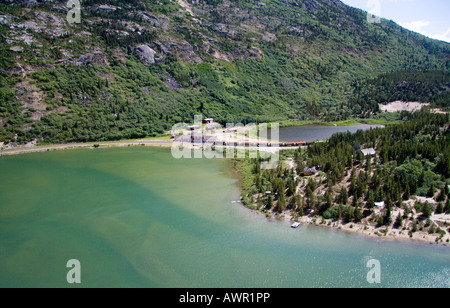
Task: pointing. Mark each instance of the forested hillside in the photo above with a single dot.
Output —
(134, 68)
(409, 173)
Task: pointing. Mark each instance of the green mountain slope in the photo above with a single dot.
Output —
(134, 68)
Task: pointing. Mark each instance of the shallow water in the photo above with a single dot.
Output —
(136, 217)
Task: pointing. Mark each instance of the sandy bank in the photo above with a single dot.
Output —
(367, 229)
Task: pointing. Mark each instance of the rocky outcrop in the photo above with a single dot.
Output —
(26, 2)
(146, 54)
(50, 19)
(152, 20)
(6, 19)
(91, 58)
(170, 82)
(51, 24)
(161, 22)
(178, 48)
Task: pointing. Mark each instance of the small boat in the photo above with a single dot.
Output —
(295, 225)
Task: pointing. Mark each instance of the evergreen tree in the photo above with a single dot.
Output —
(406, 212)
(355, 202)
(431, 191)
(387, 219)
(328, 201)
(407, 193)
(414, 226)
(441, 196)
(358, 214)
(412, 187)
(291, 187)
(398, 221)
(427, 210)
(421, 179)
(339, 212)
(443, 165)
(352, 188)
(269, 202)
(309, 193)
(281, 204)
(380, 221)
(368, 163)
(343, 196)
(439, 208)
(370, 202)
(349, 214)
(388, 202)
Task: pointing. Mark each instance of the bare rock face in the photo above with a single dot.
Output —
(146, 54)
(152, 20)
(6, 19)
(178, 48)
(172, 84)
(91, 58)
(26, 2)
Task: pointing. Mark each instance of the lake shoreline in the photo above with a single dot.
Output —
(26, 149)
(366, 230)
(295, 123)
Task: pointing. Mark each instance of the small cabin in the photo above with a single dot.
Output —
(309, 171)
(368, 152)
(379, 205)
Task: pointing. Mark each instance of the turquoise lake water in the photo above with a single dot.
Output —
(136, 217)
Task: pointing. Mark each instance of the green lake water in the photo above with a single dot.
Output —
(136, 217)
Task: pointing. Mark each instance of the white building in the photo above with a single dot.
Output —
(367, 152)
